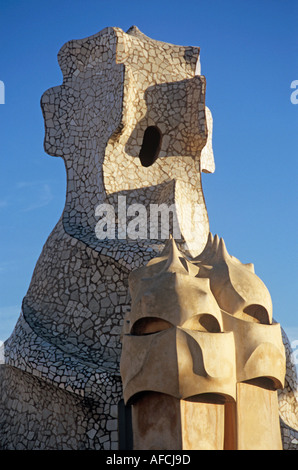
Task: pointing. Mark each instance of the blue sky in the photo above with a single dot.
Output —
(249, 55)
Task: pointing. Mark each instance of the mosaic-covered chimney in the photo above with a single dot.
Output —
(133, 306)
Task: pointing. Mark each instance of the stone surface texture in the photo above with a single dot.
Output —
(60, 381)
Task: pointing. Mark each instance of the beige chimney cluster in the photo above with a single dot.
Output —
(199, 338)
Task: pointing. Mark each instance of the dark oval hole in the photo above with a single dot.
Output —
(150, 146)
(258, 313)
(150, 325)
(203, 322)
(269, 383)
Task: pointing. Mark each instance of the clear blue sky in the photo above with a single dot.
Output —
(249, 55)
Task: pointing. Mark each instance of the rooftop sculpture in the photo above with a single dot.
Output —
(131, 124)
(200, 339)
